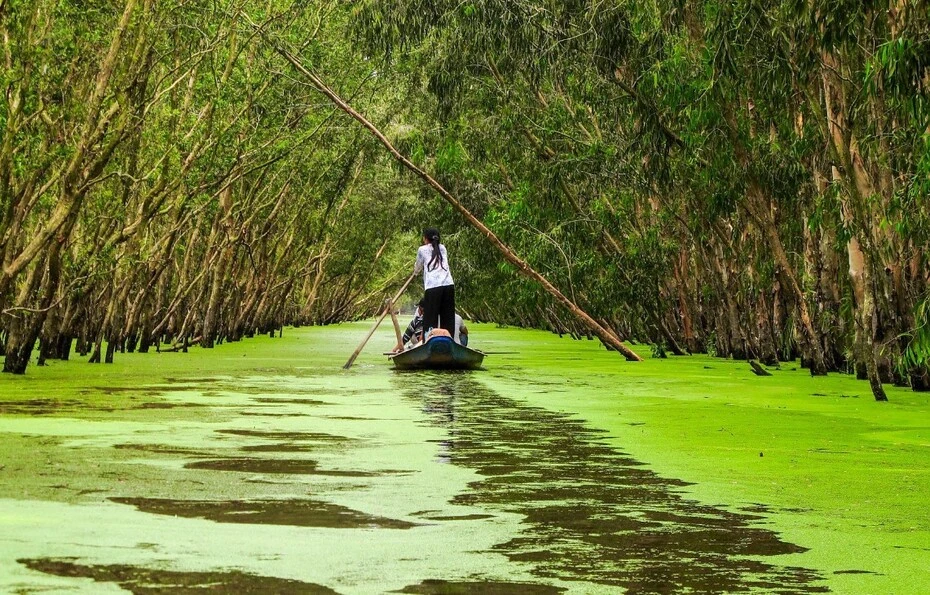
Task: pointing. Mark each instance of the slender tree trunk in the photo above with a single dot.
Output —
(22, 342)
(761, 214)
(849, 169)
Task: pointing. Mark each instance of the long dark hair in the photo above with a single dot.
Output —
(432, 236)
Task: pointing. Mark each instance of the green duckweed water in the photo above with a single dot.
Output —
(262, 467)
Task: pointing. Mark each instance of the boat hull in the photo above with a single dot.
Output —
(439, 353)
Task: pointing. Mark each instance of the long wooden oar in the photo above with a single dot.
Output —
(388, 309)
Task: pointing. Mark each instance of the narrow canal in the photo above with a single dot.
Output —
(305, 479)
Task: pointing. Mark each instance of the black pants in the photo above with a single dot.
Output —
(439, 308)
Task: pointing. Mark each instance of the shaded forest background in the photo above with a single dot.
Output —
(748, 178)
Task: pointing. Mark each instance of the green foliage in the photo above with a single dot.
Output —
(688, 169)
(917, 353)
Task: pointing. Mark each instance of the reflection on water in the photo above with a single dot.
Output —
(281, 466)
(592, 517)
(304, 512)
(308, 436)
(591, 512)
(149, 581)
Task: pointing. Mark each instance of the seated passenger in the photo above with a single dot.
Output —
(414, 333)
(461, 331)
(437, 332)
(413, 336)
(460, 336)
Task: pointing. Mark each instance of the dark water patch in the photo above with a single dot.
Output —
(265, 481)
(165, 405)
(38, 406)
(135, 390)
(289, 436)
(185, 388)
(340, 473)
(458, 517)
(289, 466)
(839, 396)
(267, 414)
(88, 492)
(244, 390)
(52, 407)
(193, 381)
(289, 401)
(757, 508)
(439, 587)
(299, 513)
(161, 449)
(150, 581)
(592, 513)
(857, 572)
(281, 447)
(356, 418)
(695, 520)
(282, 466)
(156, 405)
(265, 390)
(211, 394)
(130, 400)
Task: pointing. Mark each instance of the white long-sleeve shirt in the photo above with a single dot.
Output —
(439, 274)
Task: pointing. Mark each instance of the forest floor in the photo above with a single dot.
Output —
(261, 466)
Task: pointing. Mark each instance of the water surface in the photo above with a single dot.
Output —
(298, 478)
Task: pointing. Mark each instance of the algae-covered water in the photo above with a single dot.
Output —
(262, 467)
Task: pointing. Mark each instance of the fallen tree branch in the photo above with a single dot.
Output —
(604, 334)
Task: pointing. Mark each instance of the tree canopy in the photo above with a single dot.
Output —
(748, 179)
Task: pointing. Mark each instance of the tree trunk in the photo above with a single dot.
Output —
(760, 211)
(866, 316)
(24, 333)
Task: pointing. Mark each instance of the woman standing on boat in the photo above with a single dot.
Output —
(439, 299)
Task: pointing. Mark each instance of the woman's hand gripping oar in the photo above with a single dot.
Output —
(388, 308)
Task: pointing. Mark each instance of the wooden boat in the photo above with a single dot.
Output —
(438, 353)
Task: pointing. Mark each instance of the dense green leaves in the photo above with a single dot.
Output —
(749, 177)
(699, 171)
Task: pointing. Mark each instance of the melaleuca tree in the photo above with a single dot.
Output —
(719, 122)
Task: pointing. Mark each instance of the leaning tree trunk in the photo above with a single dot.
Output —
(604, 334)
(222, 225)
(20, 344)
